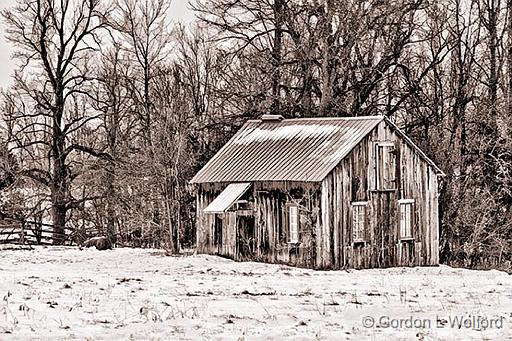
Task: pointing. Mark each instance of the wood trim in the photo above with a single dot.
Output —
(383, 190)
(407, 239)
(376, 160)
(411, 144)
(385, 143)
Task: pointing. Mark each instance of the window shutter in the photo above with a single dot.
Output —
(285, 226)
(359, 221)
(354, 223)
(294, 223)
(406, 218)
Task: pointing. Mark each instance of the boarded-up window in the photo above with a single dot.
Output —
(385, 166)
(293, 216)
(358, 220)
(406, 218)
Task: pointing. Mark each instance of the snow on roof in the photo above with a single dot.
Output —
(304, 149)
(227, 197)
(294, 131)
(288, 150)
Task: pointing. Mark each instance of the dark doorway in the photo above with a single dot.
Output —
(385, 204)
(245, 237)
(217, 231)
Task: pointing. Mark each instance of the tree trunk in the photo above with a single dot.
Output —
(509, 57)
(489, 123)
(493, 71)
(110, 209)
(60, 185)
(113, 123)
(327, 90)
(276, 56)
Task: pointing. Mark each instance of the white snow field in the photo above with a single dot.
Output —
(64, 293)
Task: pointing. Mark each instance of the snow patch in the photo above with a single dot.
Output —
(64, 293)
(288, 132)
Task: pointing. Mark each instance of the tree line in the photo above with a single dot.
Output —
(114, 107)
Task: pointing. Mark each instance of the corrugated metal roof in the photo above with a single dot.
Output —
(227, 197)
(304, 149)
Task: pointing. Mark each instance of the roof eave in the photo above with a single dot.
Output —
(315, 180)
(437, 170)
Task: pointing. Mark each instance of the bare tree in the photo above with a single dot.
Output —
(114, 104)
(54, 40)
(146, 37)
(251, 28)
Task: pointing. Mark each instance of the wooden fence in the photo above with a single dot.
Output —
(13, 231)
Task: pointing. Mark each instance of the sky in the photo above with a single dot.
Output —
(178, 11)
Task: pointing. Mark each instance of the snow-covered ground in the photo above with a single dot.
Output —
(130, 294)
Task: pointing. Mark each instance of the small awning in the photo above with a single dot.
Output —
(228, 197)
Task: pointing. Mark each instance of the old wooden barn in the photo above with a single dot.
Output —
(324, 193)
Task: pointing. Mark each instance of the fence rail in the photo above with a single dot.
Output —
(13, 231)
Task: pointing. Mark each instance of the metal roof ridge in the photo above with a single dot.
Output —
(324, 118)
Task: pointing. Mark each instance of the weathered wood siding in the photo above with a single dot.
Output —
(326, 214)
(270, 237)
(205, 223)
(355, 180)
(272, 222)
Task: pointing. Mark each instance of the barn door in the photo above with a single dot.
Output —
(217, 232)
(386, 231)
(245, 237)
(229, 235)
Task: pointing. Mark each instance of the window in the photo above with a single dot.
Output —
(385, 166)
(293, 217)
(358, 220)
(406, 215)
